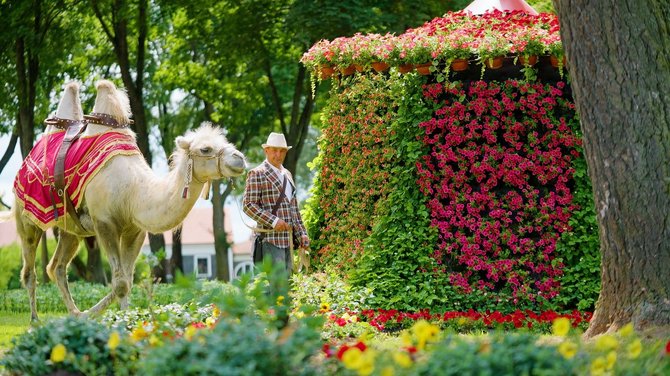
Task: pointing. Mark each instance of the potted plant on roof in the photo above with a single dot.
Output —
(455, 50)
(383, 52)
(343, 58)
(423, 53)
(527, 44)
(319, 59)
(492, 50)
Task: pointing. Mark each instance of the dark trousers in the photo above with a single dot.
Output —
(279, 256)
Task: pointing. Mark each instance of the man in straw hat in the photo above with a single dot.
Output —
(269, 199)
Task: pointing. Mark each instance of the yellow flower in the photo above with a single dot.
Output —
(598, 366)
(606, 343)
(299, 314)
(190, 332)
(634, 349)
(567, 349)
(114, 340)
(325, 307)
(154, 341)
(403, 359)
(352, 358)
(627, 330)
(462, 321)
(216, 312)
(406, 339)
(611, 359)
(210, 321)
(138, 334)
(280, 300)
(58, 353)
(387, 371)
(424, 332)
(561, 326)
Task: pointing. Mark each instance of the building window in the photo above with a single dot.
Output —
(203, 267)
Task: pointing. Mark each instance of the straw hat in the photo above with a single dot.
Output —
(276, 140)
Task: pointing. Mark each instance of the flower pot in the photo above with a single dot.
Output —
(494, 62)
(554, 61)
(325, 72)
(527, 59)
(423, 69)
(459, 65)
(380, 66)
(405, 68)
(348, 71)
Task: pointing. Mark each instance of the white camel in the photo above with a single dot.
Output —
(125, 199)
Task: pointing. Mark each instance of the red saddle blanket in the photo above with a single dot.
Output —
(87, 155)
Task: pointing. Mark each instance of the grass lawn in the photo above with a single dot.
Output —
(13, 324)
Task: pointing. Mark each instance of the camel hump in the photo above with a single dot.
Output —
(69, 106)
(112, 101)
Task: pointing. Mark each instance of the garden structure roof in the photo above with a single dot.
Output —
(483, 6)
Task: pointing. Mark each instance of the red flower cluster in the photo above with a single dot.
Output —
(499, 177)
(381, 319)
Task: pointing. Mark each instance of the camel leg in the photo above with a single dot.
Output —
(67, 248)
(108, 236)
(131, 243)
(30, 236)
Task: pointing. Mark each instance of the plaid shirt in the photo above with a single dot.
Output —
(262, 190)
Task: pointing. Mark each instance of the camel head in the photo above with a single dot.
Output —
(213, 156)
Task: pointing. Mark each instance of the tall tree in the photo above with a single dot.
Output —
(618, 56)
(126, 25)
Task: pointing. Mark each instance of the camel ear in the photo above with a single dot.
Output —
(183, 142)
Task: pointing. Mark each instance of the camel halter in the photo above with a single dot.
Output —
(190, 176)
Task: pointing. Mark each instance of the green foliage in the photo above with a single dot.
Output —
(579, 248)
(329, 291)
(10, 259)
(497, 354)
(87, 294)
(86, 343)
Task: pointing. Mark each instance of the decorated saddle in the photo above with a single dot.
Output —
(34, 184)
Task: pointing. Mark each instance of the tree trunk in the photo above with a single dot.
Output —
(94, 270)
(27, 77)
(221, 245)
(10, 149)
(44, 255)
(177, 262)
(132, 74)
(618, 60)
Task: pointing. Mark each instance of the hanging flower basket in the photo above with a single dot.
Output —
(380, 66)
(494, 62)
(325, 72)
(423, 69)
(348, 71)
(527, 60)
(405, 68)
(359, 68)
(555, 61)
(459, 65)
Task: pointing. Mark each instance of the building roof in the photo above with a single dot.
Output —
(482, 6)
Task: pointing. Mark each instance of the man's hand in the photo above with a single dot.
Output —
(282, 225)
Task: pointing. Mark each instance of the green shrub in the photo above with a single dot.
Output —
(84, 345)
(10, 259)
(499, 354)
(328, 291)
